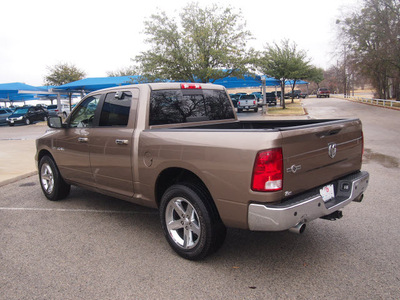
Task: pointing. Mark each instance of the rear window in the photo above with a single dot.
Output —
(247, 97)
(185, 106)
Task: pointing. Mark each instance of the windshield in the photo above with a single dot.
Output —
(21, 110)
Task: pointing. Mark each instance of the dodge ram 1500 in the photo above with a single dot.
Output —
(181, 149)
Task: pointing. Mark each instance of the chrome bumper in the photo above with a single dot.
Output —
(306, 207)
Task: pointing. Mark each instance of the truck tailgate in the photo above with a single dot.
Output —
(316, 155)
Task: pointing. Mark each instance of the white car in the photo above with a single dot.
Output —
(64, 110)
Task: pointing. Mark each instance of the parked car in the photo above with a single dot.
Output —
(259, 98)
(235, 99)
(323, 92)
(295, 94)
(271, 98)
(4, 114)
(64, 110)
(247, 102)
(52, 110)
(27, 115)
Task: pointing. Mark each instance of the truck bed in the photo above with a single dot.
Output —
(278, 125)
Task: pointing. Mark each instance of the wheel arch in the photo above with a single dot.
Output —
(176, 175)
(42, 153)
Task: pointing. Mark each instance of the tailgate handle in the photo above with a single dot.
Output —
(121, 142)
(328, 133)
(83, 140)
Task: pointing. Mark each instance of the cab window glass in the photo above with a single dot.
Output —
(84, 114)
(177, 106)
(115, 110)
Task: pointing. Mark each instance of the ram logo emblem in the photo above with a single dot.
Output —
(332, 149)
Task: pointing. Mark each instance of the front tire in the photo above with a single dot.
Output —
(53, 185)
(190, 221)
(27, 121)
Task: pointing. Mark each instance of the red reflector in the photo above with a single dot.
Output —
(268, 171)
(190, 86)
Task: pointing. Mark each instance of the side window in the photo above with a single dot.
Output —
(84, 114)
(116, 107)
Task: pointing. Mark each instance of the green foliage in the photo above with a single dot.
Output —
(63, 73)
(316, 75)
(371, 43)
(285, 62)
(128, 71)
(207, 44)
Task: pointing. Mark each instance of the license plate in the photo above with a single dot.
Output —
(12, 122)
(247, 107)
(327, 192)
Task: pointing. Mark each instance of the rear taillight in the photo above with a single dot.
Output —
(268, 171)
(254, 102)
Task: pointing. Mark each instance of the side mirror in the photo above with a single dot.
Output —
(119, 95)
(54, 122)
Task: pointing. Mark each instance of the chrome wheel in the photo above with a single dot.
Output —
(47, 178)
(182, 223)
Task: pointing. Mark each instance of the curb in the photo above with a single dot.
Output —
(17, 178)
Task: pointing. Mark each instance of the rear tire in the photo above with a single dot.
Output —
(53, 185)
(190, 221)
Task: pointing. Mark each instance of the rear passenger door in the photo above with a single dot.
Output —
(111, 144)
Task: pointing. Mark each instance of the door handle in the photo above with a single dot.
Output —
(121, 142)
(83, 140)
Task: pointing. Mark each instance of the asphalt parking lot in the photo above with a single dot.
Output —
(90, 246)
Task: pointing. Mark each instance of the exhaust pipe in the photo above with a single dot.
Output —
(299, 228)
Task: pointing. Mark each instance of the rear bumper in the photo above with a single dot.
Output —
(306, 207)
(247, 106)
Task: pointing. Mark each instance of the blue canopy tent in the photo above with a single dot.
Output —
(97, 83)
(246, 81)
(11, 92)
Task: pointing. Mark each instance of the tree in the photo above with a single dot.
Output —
(63, 73)
(316, 75)
(371, 44)
(128, 71)
(285, 62)
(207, 44)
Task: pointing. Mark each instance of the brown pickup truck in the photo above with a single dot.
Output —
(181, 149)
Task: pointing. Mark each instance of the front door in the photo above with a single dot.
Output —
(72, 148)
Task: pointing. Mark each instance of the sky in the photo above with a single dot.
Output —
(102, 36)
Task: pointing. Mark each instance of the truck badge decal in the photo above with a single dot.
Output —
(293, 169)
(332, 150)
